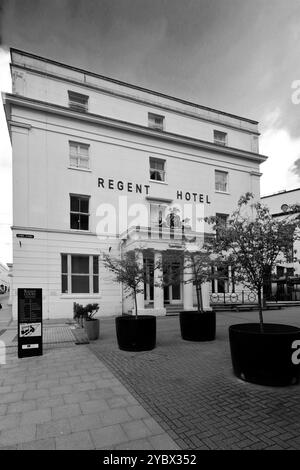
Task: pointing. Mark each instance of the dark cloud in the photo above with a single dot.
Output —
(235, 55)
(295, 168)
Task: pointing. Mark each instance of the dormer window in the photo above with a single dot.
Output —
(78, 102)
(220, 138)
(155, 121)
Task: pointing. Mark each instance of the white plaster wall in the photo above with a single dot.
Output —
(37, 263)
(43, 181)
(55, 91)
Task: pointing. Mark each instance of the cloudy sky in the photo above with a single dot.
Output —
(239, 56)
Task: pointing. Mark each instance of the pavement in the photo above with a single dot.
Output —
(68, 399)
(181, 395)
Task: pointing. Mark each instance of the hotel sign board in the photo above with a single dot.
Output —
(30, 322)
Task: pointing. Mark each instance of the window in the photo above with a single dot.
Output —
(279, 271)
(157, 215)
(221, 221)
(155, 121)
(220, 138)
(79, 155)
(79, 274)
(78, 102)
(221, 181)
(157, 169)
(79, 212)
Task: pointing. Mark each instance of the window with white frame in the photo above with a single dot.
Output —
(79, 274)
(157, 169)
(221, 181)
(79, 212)
(220, 138)
(77, 101)
(79, 155)
(157, 215)
(156, 121)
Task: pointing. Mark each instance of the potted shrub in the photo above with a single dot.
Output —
(196, 266)
(255, 242)
(79, 313)
(91, 324)
(134, 332)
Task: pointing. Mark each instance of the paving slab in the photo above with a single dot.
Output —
(191, 391)
(67, 399)
(180, 395)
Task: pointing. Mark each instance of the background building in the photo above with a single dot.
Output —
(4, 278)
(101, 165)
(285, 282)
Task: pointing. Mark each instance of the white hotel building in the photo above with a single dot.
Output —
(84, 146)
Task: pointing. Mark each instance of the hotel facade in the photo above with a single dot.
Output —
(104, 166)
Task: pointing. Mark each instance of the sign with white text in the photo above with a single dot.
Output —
(30, 317)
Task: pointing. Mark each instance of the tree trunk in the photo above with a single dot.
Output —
(261, 319)
(199, 298)
(135, 304)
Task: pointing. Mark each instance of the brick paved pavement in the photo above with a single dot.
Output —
(190, 390)
(68, 399)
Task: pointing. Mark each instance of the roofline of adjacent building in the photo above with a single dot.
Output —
(284, 191)
(18, 100)
(129, 85)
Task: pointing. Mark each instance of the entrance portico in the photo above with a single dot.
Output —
(157, 296)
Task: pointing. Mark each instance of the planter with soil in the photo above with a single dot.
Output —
(268, 357)
(136, 333)
(195, 326)
(92, 327)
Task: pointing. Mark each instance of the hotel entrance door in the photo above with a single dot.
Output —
(173, 292)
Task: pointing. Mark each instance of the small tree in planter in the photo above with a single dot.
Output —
(79, 313)
(92, 324)
(134, 332)
(196, 268)
(254, 243)
(85, 318)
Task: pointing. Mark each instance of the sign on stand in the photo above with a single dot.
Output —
(30, 322)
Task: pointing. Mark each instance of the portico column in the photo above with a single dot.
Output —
(206, 296)
(229, 279)
(158, 289)
(187, 286)
(140, 295)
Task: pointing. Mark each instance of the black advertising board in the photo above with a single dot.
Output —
(30, 322)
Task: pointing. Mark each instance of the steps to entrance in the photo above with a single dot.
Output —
(173, 309)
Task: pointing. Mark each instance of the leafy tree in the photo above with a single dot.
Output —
(198, 264)
(128, 271)
(254, 242)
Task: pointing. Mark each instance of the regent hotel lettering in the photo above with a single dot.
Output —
(144, 189)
